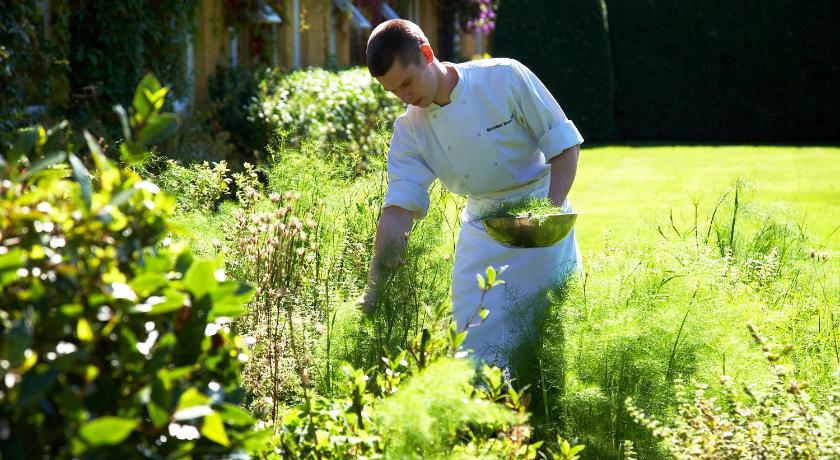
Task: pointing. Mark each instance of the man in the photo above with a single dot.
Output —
(488, 129)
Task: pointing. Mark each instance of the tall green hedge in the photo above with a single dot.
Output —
(565, 44)
(749, 71)
(714, 71)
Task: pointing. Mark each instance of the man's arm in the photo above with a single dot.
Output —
(391, 239)
(563, 171)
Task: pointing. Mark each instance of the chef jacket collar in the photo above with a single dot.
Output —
(453, 96)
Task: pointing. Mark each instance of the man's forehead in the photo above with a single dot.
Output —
(396, 75)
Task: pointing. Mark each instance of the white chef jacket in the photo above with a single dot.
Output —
(491, 142)
(497, 133)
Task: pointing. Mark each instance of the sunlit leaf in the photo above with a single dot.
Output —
(9, 265)
(480, 280)
(46, 162)
(200, 278)
(132, 152)
(80, 173)
(192, 397)
(214, 429)
(143, 107)
(235, 415)
(158, 128)
(123, 116)
(230, 299)
(83, 330)
(107, 431)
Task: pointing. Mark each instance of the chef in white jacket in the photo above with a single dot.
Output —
(488, 129)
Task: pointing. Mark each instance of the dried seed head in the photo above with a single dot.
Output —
(287, 196)
(275, 197)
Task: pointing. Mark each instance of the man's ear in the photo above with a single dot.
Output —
(427, 53)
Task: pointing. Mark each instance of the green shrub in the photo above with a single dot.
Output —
(575, 65)
(197, 187)
(345, 110)
(114, 342)
(778, 421)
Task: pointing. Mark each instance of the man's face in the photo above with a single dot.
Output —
(413, 84)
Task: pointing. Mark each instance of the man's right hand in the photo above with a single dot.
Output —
(391, 238)
(368, 300)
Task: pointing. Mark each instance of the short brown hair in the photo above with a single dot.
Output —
(395, 38)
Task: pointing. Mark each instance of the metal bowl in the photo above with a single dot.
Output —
(530, 232)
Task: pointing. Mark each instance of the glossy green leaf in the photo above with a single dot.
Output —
(192, 397)
(35, 384)
(10, 263)
(126, 126)
(214, 430)
(46, 162)
(158, 414)
(83, 330)
(480, 280)
(143, 107)
(200, 278)
(491, 275)
(26, 141)
(102, 163)
(107, 431)
(230, 299)
(145, 284)
(158, 128)
(235, 415)
(80, 173)
(132, 152)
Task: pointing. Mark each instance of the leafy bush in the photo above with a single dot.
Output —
(114, 343)
(779, 421)
(345, 109)
(197, 187)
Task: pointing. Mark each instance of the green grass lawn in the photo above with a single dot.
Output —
(628, 190)
(648, 309)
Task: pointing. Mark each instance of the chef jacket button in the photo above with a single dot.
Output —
(495, 163)
(467, 176)
(477, 134)
(449, 147)
(434, 116)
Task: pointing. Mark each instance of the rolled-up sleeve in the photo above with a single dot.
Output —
(409, 177)
(541, 114)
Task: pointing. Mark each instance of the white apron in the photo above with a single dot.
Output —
(529, 272)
